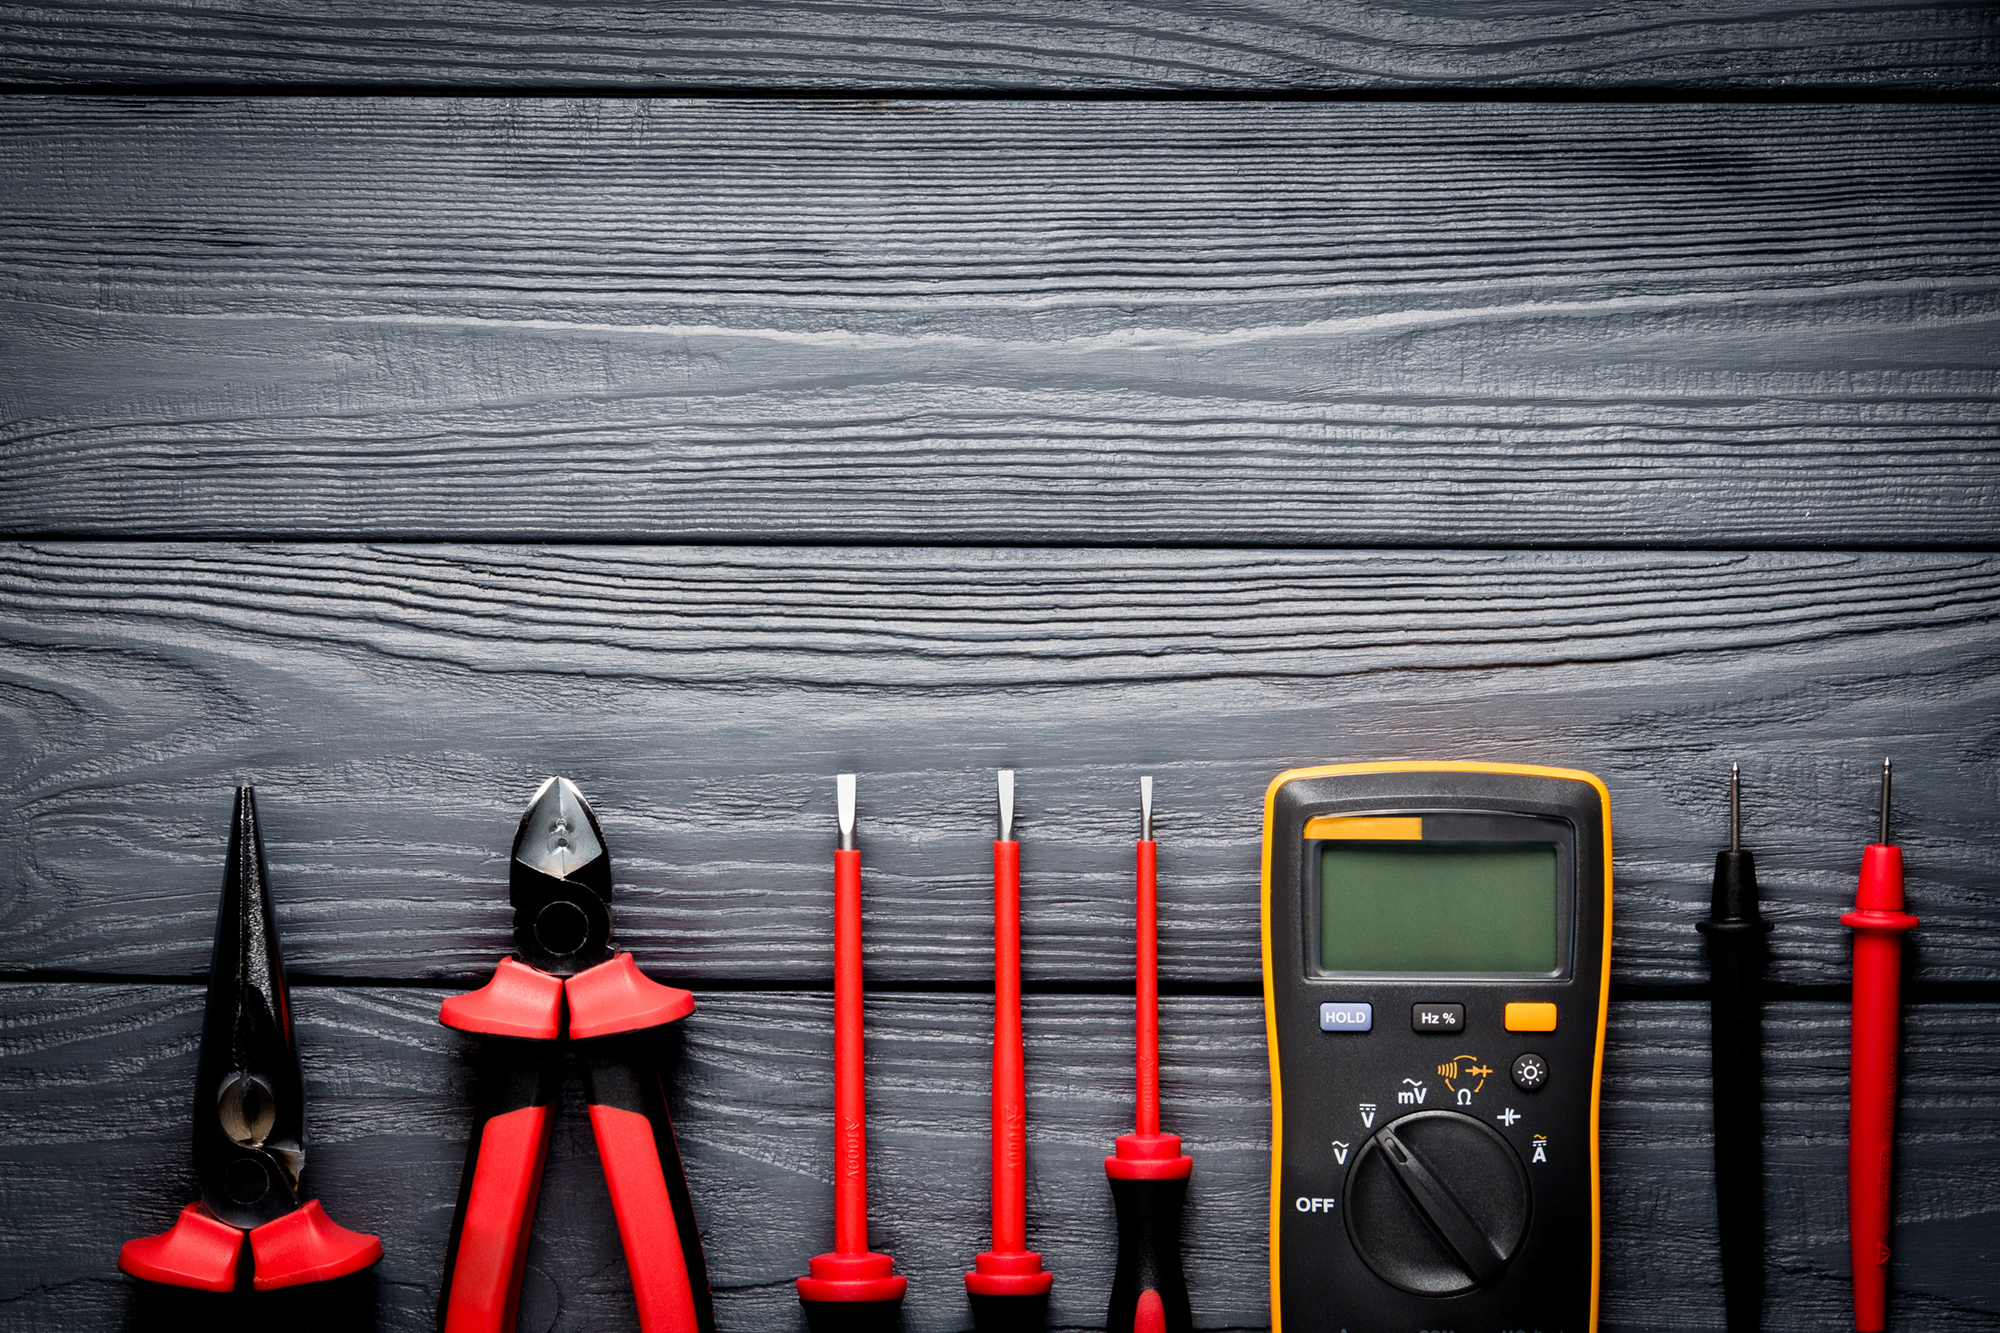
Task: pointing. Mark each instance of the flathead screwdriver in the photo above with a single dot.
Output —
(1008, 1288)
(1149, 1174)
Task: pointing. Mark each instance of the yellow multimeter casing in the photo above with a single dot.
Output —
(1436, 942)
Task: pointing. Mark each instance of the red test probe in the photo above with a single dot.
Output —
(1879, 921)
(1149, 1175)
(1007, 1287)
(850, 1290)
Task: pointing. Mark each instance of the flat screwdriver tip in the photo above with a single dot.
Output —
(1145, 809)
(1006, 805)
(843, 795)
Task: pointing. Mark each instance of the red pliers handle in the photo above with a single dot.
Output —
(612, 1012)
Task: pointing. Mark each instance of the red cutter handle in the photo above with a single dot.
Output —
(496, 1194)
(642, 1168)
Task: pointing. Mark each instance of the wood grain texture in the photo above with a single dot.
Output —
(990, 322)
(96, 1080)
(396, 706)
(1020, 45)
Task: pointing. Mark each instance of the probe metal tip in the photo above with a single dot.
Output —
(843, 797)
(1145, 809)
(1735, 809)
(1884, 839)
(1006, 805)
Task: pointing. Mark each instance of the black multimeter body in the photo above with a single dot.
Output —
(1436, 941)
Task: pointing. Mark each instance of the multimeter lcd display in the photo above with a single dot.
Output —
(1420, 906)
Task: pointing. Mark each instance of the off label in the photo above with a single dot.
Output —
(1306, 1203)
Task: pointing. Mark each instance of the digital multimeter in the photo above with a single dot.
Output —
(1436, 941)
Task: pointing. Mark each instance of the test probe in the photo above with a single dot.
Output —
(249, 1114)
(1736, 950)
(850, 1290)
(1008, 1289)
(1149, 1174)
(1878, 921)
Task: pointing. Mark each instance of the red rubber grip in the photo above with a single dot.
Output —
(660, 1282)
(492, 1254)
(1151, 1315)
(615, 997)
(520, 1001)
(308, 1246)
(200, 1250)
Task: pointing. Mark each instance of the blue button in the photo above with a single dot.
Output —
(1346, 1017)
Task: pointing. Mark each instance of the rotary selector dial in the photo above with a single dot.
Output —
(1437, 1203)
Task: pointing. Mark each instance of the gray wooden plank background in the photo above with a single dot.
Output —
(1016, 45)
(1320, 413)
(999, 322)
(397, 705)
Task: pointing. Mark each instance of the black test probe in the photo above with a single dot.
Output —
(1736, 950)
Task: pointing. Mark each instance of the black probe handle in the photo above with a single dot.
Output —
(1736, 954)
(1149, 1291)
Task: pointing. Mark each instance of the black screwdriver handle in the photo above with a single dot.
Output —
(1009, 1314)
(1149, 1291)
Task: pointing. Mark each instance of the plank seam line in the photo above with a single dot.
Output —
(1981, 545)
(1807, 94)
(1916, 993)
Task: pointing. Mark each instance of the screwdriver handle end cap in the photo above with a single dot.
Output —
(1009, 1273)
(852, 1277)
(1149, 1157)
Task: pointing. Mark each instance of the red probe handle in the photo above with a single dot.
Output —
(850, 1102)
(1878, 922)
(649, 1193)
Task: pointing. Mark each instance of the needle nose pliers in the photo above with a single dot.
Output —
(564, 980)
(249, 1114)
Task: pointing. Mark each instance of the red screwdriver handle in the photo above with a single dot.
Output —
(1878, 921)
(488, 1250)
(850, 1101)
(1008, 1288)
(649, 1193)
(1010, 1111)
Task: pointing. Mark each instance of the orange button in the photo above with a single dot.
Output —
(1525, 1017)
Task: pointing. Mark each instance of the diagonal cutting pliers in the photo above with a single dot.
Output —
(249, 1114)
(564, 981)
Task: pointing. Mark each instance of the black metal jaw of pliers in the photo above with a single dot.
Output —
(564, 987)
(249, 1114)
